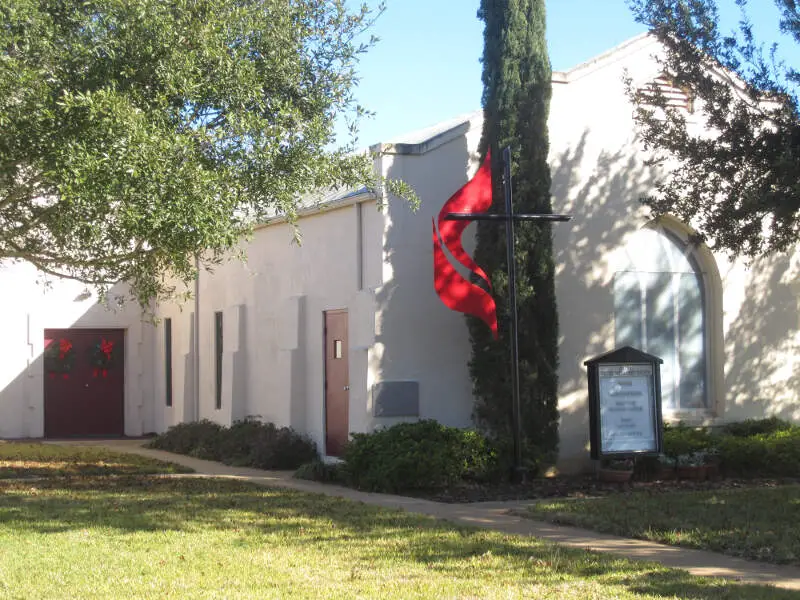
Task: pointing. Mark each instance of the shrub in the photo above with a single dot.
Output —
(198, 438)
(236, 442)
(695, 459)
(752, 427)
(681, 440)
(755, 447)
(248, 442)
(484, 458)
(420, 455)
(768, 454)
(280, 448)
(318, 470)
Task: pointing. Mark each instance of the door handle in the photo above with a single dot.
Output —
(347, 388)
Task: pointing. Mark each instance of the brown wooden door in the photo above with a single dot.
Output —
(84, 382)
(337, 382)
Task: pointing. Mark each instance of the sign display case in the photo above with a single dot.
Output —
(625, 404)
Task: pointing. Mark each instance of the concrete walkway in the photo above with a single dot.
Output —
(499, 516)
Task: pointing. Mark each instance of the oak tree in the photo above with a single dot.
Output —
(736, 158)
(135, 136)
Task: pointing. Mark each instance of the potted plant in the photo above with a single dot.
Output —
(713, 461)
(692, 466)
(666, 467)
(616, 470)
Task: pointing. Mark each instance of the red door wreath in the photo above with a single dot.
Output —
(84, 382)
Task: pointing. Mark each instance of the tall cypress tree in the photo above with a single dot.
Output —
(516, 102)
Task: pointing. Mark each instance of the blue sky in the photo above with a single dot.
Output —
(426, 67)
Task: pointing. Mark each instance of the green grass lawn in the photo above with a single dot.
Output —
(19, 460)
(761, 523)
(145, 537)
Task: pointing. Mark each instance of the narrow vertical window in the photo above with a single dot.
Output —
(168, 360)
(218, 359)
(360, 245)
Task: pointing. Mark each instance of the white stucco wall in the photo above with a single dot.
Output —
(183, 364)
(32, 304)
(273, 313)
(599, 174)
(399, 330)
(417, 337)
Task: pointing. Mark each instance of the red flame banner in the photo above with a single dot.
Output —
(455, 291)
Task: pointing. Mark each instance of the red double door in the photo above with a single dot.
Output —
(84, 382)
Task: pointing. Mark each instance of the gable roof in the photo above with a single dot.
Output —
(332, 199)
(424, 140)
(429, 138)
(632, 46)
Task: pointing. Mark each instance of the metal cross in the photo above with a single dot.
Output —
(509, 218)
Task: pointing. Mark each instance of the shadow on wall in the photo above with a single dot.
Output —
(602, 194)
(417, 331)
(417, 337)
(762, 371)
(23, 394)
(762, 374)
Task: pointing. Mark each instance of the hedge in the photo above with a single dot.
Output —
(247, 442)
(423, 455)
(753, 448)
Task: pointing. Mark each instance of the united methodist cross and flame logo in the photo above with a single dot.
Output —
(455, 291)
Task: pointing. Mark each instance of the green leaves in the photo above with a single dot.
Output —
(139, 135)
(516, 100)
(417, 456)
(736, 181)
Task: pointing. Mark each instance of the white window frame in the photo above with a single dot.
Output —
(704, 267)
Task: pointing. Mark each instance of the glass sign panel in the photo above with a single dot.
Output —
(627, 408)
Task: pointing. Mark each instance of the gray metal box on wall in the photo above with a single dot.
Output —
(396, 399)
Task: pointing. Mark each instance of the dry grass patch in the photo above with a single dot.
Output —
(34, 460)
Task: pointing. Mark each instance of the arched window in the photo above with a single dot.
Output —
(660, 308)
